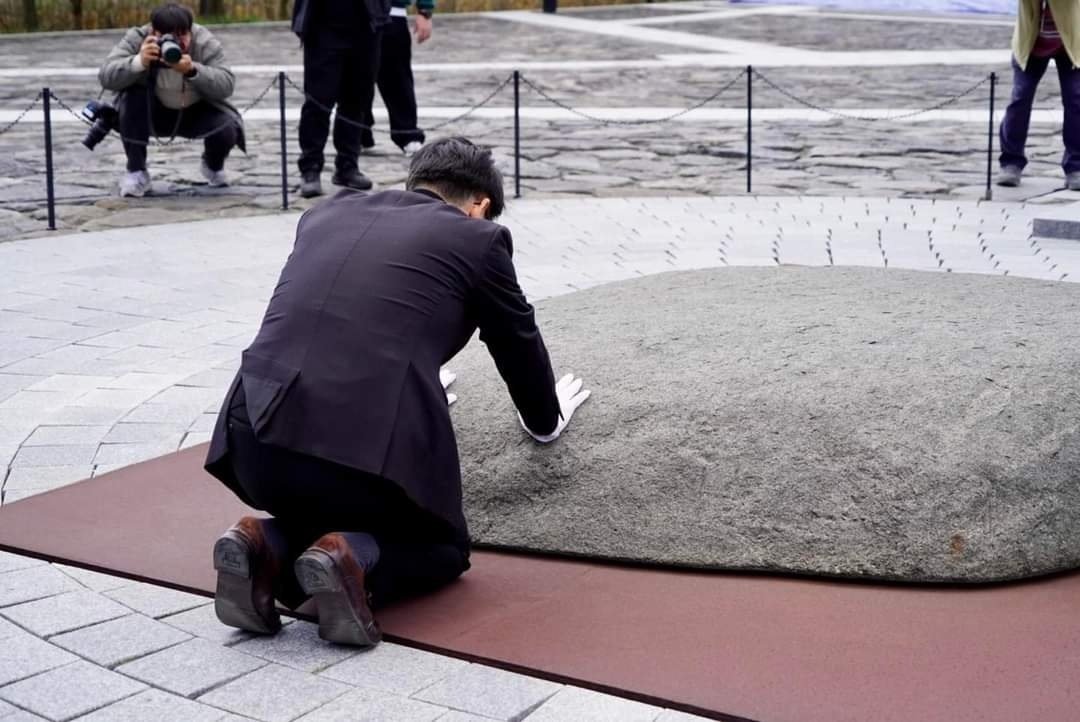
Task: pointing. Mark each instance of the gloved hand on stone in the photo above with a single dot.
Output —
(446, 377)
(571, 396)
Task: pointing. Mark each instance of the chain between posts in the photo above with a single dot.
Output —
(20, 116)
(370, 128)
(869, 119)
(555, 101)
(174, 140)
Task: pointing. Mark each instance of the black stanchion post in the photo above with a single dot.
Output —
(749, 122)
(284, 146)
(551, 6)
(46, 95)
(990, 140)
(517, 134)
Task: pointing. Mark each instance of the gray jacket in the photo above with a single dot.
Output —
(213, 81)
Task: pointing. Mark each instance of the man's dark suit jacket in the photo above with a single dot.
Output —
(380, 291)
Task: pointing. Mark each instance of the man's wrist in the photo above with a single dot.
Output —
(137, 63)
(193, 72)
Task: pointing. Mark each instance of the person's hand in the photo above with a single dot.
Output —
(446, 377)
(149, 52)
(571, 396)
(422, 29)
(184, 65)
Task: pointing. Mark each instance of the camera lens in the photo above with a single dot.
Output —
(170, 49)
(96, 134)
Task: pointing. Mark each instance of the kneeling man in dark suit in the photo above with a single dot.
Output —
(337, 423)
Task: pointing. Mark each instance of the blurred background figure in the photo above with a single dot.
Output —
(341, 55)
(1045, 30)
(395, 78)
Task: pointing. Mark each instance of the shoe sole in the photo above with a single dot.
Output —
(321, 578)
(311, 194)
(234, 594)
(1008, 183)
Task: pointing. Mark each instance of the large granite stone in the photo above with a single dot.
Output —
(851, 422)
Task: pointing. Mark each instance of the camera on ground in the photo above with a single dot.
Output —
(171, 52)
(103, 118)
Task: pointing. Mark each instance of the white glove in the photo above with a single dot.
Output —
(568, 390)
(446, 377)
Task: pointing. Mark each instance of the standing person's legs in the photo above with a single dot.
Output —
(1014, 126)
(1070, 100)
(396, 83)
(323, 70)
(356, 93)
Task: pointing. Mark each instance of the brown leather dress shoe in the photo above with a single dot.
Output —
(246, 567)
(329, 572)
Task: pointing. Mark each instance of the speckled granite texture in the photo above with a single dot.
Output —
(852, 422)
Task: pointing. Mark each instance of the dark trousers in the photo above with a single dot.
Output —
(417, 551)
(395, 82)
(1014, 127)
(344, 76)
(137, 117)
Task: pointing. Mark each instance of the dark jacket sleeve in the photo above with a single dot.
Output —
(301, 17)
(508, 328)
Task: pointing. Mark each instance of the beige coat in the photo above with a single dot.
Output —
(1066, 17)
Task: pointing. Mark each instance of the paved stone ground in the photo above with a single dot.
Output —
(118, 345)
(940, 158)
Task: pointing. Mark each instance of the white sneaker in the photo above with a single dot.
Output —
(135, 184)
(411, 147)
(214, 178)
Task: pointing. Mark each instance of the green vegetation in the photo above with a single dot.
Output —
(18, 16)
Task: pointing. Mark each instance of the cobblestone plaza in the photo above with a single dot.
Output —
(117, 342)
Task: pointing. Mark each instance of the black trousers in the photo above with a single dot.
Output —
(342, 76)
(395, 83)
(308, 497)
(137, 117)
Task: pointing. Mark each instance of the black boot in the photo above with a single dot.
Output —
(310, 185)
(352, 178)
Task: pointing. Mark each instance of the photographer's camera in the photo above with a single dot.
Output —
(171, 52)
(103, 118)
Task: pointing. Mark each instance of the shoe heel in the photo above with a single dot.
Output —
(231, 556)
(234, 593)
(338, 623)
(317, 574)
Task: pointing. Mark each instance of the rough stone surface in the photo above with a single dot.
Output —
(489, 692)
(275, 693)
(120, 640)
(852, 422)
(70, 691)
(155, 705)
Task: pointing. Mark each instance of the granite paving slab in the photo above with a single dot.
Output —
(70, 691)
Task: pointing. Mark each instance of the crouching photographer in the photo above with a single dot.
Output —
(172, 79)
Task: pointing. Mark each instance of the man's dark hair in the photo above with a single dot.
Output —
(171, 18)
(457, 169)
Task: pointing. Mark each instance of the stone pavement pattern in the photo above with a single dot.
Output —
(939, 158)
(117, 346)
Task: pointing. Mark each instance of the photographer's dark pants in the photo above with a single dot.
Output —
(1014, 127)
(395, 83)
(417, 551)
(137, 118)
(342, 76)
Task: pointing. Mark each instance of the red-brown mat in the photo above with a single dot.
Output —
(756, 647)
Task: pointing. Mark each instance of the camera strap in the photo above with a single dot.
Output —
(152, 93)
